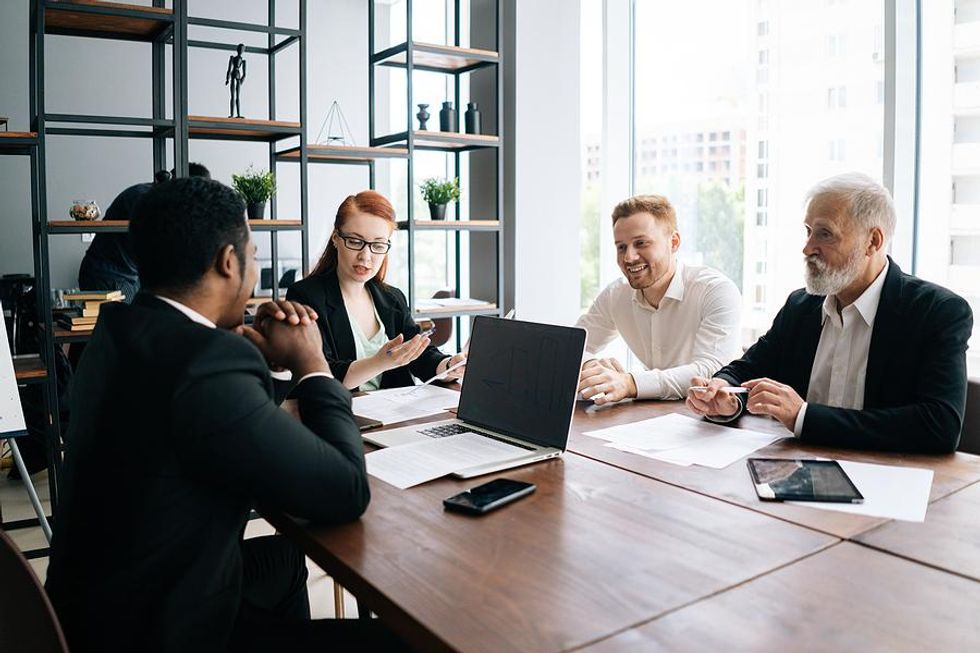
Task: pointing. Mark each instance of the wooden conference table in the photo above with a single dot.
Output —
(616, 552)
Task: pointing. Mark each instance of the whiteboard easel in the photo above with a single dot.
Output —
(12, 422)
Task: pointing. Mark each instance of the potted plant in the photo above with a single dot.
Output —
(255, 187)
(439, 192)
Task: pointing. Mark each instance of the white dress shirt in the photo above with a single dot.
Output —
(841, 362)
(694, 331)
(194, 316)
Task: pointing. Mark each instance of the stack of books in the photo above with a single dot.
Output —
(84, 313)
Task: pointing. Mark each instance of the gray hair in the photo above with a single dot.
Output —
(868, 202)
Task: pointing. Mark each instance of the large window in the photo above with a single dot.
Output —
(948, 234)
(739, 106)
(737, 116)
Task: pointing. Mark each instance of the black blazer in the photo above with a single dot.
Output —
(322, 294)
(915, 387)
(173, 438)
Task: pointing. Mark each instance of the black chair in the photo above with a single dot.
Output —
(970, 438)
(28, 623)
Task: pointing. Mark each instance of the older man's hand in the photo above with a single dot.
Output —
(705, 397)
(775, 399)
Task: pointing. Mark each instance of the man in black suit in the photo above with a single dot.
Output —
(174, 437)
(879, 355)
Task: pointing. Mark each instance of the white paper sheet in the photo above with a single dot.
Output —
(402, 404)
(411, 464)
(683, 440)
(889, 491)
(658, 433)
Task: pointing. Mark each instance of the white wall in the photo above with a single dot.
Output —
(543, 175)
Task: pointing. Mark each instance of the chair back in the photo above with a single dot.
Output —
(28, 623)
(970, 438)
(444, 325)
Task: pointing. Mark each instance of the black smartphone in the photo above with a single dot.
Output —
(487, 497)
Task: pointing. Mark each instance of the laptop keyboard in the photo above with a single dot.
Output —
(446, 430)
(455, 428)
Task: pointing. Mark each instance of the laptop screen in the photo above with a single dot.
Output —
(521, 379)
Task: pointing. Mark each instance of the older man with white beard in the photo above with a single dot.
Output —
(879, 355)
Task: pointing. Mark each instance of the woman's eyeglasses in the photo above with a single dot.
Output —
(357, 244)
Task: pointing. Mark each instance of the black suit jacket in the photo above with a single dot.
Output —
(173, 438)
(322, 293)
(915, 386)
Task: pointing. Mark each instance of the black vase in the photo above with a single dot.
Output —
(447, 118)
(255, 210)
(437, 211)
(423, 116)
(472, 118)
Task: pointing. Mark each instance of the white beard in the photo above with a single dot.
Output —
(821, 279)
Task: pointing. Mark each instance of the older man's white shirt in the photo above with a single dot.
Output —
(694, 331)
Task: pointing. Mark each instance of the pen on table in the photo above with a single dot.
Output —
(427, 332)
(730, 389)
(440, 375)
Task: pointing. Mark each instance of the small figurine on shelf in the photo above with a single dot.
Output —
(423, 115)
(84, 210)
(235, 75)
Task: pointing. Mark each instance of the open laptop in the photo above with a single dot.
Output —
(519, 389)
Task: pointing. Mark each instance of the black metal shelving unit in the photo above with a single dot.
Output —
(455, 61)
(160, 27)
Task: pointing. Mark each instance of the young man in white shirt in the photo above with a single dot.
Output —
(680, 321)
(865, 356)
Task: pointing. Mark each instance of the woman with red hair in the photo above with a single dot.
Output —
(369, 336)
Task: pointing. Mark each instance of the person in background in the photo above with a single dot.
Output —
(678, 320)
(878, 355)
(175, 437)
(108, 263)
(369, 336)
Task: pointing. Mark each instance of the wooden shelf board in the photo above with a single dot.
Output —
(26, 369)
(17, 142)
(345, 153)
(93, 226)
(453, 140)
(443, 57)
(64, 334)
(61, 18)
(247, 128)
(269, 225)
(446, 311)
(251, 122)
(87, 226)
(452, 225)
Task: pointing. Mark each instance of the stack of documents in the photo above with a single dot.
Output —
(410, 464)
(685, 441)
(403, 404)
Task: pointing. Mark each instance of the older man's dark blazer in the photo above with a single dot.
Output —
(173, 438)
(322, 294)
(915, 387)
